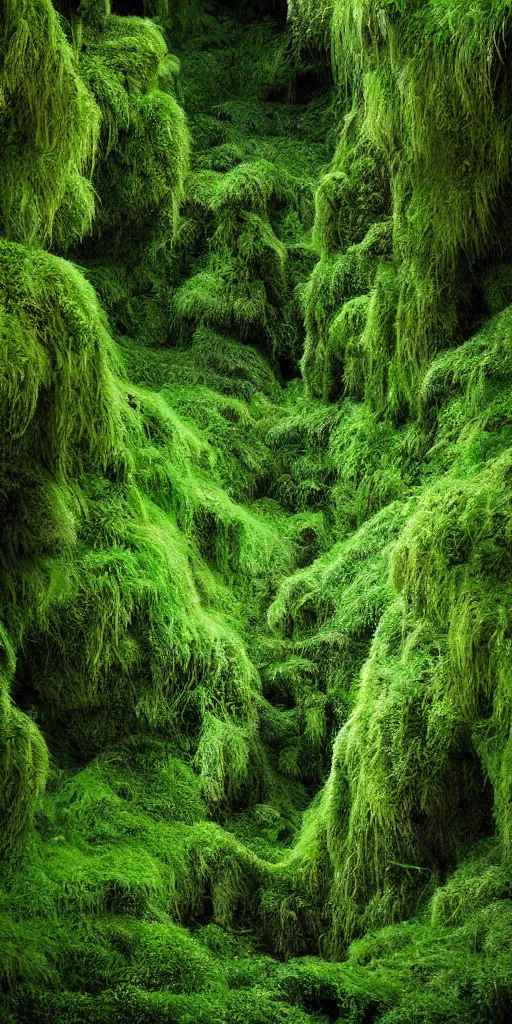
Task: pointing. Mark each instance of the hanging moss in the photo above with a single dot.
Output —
(23, 762)
(431, 106)
(49, 128)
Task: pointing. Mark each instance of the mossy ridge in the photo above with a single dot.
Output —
(110, 524)
(416, 75)
(111, 529)
(436, 671)
(115, 537)
(142, 162)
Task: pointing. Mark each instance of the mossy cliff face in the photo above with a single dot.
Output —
(255, 512)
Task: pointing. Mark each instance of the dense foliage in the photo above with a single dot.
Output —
(255, 512)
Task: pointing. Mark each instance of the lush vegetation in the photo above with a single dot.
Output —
(255, 512)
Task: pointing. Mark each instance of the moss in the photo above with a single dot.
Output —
(246, 279)
(255, 528)
(445, 200)
(48, 128)
(24, 770)
(336, 280)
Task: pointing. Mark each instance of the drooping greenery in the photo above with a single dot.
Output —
(255, 512)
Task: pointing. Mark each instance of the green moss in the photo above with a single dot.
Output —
(254, 501)
(445, 197)
(24, 770)
(48, 128)
(336, 280)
